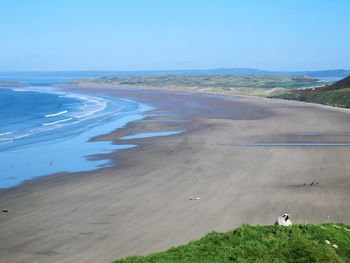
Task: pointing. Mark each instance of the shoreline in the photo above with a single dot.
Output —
(141, 205)
(110, 114)
(193, 91)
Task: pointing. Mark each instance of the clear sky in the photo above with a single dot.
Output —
(174, 34)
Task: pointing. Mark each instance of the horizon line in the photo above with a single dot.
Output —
(165, 70)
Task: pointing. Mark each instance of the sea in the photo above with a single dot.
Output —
(46, 130)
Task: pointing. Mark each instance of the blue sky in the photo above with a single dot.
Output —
(174, 34)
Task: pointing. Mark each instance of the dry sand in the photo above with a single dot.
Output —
(142, 205)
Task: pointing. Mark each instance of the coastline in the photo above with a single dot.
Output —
(199, 91)
(141, 205)
(62, 125)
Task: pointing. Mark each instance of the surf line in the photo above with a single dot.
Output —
(56, 114)
(51, 123)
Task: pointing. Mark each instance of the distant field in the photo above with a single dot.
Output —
(257, 85)
(299, 243)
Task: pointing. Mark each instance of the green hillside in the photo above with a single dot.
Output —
(338, 98)
(298, 243)
(205, 82)
(337, 94)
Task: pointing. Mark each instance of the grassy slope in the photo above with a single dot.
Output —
(248, 85)
(299, 243)
(339, 98)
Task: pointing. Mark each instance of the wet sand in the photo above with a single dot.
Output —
(141, 204)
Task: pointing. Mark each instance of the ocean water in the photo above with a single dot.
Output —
(47, 78)
(45, 130)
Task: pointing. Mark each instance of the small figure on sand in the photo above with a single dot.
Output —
(312, 184)
(283, 220)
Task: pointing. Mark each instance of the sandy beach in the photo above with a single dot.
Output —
(247, 159)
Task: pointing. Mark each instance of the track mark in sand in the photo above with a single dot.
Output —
(305, 185)
(47, 253)
(98, 223)
(288, 144)
(86, 233)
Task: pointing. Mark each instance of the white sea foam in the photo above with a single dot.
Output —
(6, 133)
(91, 105)
(20, 90)
(5, 139)
(22, 136)
(56, 114)
(95, 104)
(85, 115)
(91, 110)
(55, 122)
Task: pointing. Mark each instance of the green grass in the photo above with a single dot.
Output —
(339, 98)
(205, 82)
(298, 243)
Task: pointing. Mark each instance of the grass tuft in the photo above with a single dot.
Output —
(298, 243)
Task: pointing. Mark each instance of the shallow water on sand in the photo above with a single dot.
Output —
(144, 135)
(45, 130)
